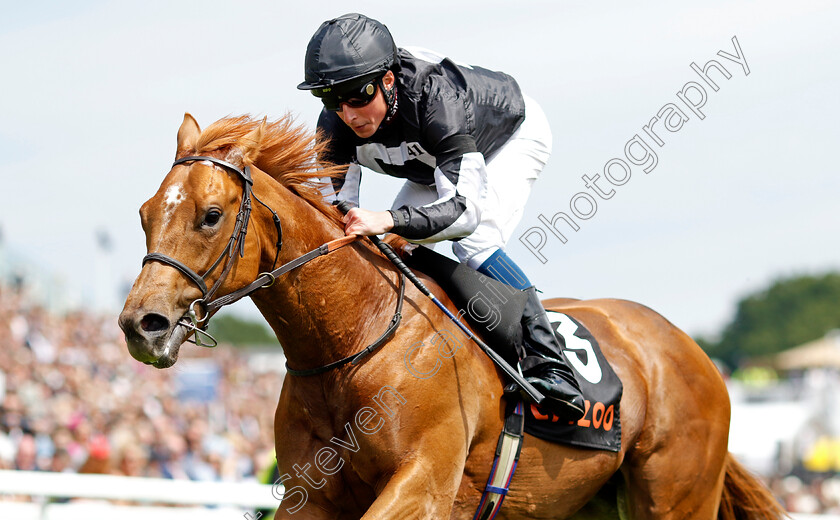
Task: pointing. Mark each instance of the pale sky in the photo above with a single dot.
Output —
(93, 94)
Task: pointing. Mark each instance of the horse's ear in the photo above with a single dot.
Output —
(247, 149)
(187, 135)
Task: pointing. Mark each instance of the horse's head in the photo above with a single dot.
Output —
(195, 230)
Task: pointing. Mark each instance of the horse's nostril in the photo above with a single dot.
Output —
(154, 323)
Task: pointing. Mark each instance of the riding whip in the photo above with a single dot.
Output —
(389, 253)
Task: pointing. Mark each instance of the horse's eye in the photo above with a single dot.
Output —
(212, 218)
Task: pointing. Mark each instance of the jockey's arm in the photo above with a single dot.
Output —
(460, 174)
(340, 151)
(460, 178)
(360, 221)
(455, 214)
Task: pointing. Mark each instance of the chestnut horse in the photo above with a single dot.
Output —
(373, 440)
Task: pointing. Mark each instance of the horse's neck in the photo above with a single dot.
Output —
(327, 308)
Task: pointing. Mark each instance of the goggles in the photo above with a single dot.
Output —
(356, 97)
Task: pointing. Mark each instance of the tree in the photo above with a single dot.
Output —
(790, 312)
(229, 328)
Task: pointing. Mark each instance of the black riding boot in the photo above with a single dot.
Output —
(544, 365)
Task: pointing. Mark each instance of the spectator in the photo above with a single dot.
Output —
(73, 400)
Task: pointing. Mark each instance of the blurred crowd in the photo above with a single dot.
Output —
(813, 494)
(73, 400)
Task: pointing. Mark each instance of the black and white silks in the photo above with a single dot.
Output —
(451, 117)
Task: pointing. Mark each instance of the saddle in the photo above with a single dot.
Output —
(493, 309)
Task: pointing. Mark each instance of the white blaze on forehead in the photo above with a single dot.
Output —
(174, 195)
(172, 198)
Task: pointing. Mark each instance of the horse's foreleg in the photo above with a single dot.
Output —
(422, 488)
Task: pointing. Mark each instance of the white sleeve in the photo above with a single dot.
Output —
(344, 188)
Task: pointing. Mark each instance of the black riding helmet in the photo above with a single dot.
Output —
(346, 53)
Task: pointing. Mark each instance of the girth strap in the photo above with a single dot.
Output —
(504, 465)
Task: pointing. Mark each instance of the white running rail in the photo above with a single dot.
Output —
(234, 500)
(233, 497)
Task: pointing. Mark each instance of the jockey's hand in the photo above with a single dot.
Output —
(360, 221)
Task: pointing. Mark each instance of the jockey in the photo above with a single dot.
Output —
(469, 144)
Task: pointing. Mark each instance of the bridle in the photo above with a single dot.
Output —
(236, 242)
(237, 238)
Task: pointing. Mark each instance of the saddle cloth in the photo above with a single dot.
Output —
(600, 426)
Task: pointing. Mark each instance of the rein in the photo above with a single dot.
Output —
(265, 280)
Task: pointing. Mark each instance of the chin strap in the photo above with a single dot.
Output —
(391, 99)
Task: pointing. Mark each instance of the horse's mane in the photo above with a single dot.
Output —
(288, 152)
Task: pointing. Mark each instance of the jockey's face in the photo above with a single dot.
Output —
(364, 121)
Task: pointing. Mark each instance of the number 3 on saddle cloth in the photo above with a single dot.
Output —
(494, 310)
